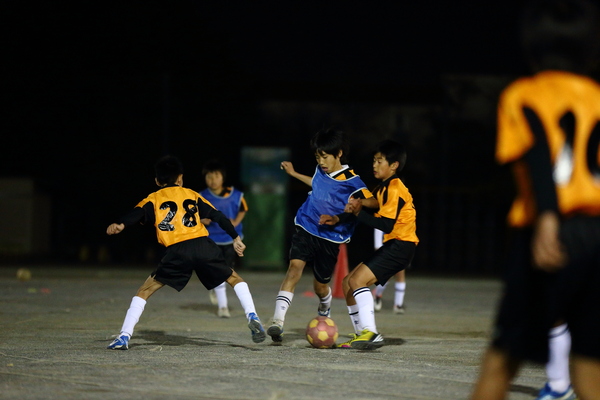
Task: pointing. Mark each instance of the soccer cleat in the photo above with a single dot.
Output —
(348, 344)
(367, 341)
(213, 297)
(378, 303)
(223, 312)
(276, 331)
(324, 312)
(548, 394)
(120, 343)
(398, 309)
(258, 332)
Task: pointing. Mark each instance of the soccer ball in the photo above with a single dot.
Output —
(321, 332)
(23, 274)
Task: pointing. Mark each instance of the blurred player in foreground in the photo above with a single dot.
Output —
(396, 217)
(333, 185)
(230, 201)
(549, 130)
(176, 211)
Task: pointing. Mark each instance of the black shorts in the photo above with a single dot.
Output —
(201, 256)
(319, 253)
(229, 254)
(534, 300)
(526, 312)
(392, 257)
(580, 283)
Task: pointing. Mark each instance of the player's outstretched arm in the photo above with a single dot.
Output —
(371, 202)
(288, 167)
(239, 246)
(354, 206)
(114, 229)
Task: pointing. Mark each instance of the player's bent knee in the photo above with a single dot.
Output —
(354, 284)
(321, 289)
(345, 280)
(150, 286)
(234, 279)
(294, 272)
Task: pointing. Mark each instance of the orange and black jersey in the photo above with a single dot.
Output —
(176, 212)
(347, 173)
(344, 173)
(549, 127)
(396, 216)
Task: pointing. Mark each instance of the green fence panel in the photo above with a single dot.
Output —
(265, 190)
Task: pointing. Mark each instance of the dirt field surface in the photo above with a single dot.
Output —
(56, 326)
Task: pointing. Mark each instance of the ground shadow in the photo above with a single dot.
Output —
(299, 333)
(160, 338)
(199, 307)
(393, 341)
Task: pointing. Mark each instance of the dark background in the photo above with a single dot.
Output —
(95, 94)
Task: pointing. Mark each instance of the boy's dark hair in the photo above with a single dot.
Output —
(214, 166)
(561, 35)
(330, 141)
(168, 168)
(392, 151)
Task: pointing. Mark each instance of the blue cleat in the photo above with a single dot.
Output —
(324, 312)
(258, 332)
(548, 394)
(120, 343)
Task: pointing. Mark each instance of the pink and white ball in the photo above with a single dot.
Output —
(322, 332)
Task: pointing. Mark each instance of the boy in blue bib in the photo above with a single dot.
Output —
(333, 184)
(230, 201)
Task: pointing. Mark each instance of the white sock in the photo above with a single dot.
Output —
(379, 289)
(282, 303)
(557, 368)
(399, 293)
(136, 308)
(355, 319)
(221, 293)
(366, 313)
(242, 292)
(325, 301)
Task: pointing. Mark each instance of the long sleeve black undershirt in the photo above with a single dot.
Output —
(383, 224)
(366, 217)
(138, 215)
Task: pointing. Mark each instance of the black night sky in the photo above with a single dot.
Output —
(94, 94)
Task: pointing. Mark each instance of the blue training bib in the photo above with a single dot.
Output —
(230, 206)
(328, 196)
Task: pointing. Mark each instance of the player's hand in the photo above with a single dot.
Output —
(353, 207)
(114, 229)
(288, 167)
(239, 246)
(206, 221)
(328, 219)
(547, 251)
